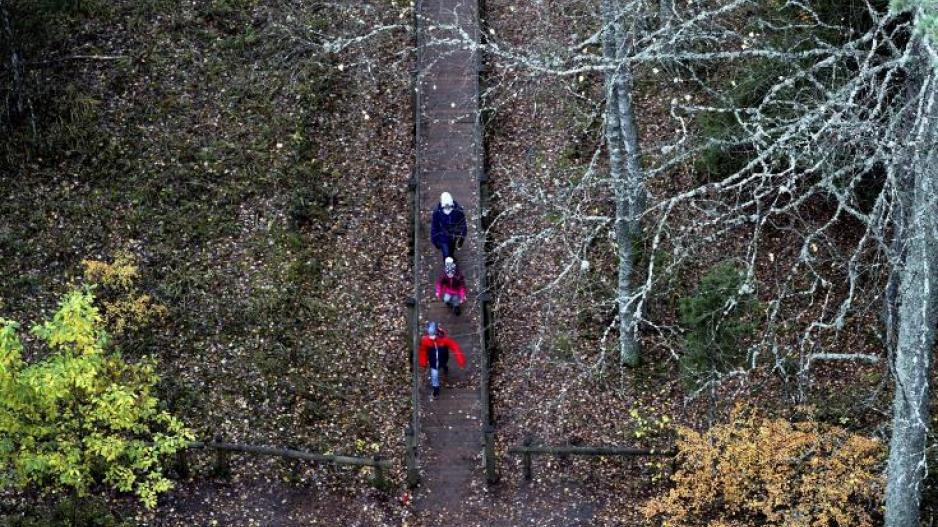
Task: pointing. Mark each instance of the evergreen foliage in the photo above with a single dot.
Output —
(928, 21)
(80, 415)
(716, 317)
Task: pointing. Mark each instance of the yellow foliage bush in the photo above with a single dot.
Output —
(772, 472)
(120, 274)
(132, 312)
(123, 306)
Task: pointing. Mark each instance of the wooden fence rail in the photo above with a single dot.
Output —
(485, 298)
(529, 450)
(223, 452)
(412, 433)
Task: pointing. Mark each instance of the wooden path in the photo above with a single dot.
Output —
(449, 159)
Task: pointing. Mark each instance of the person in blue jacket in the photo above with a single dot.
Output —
(448, 228)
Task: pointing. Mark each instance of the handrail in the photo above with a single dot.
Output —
(589, 451)
(528, 450)
(374, 461)
(488, 428)
(412, 434)
(223, 450)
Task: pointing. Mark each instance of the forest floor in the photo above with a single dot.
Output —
(557, 378)
(263, 192)
(265, 197)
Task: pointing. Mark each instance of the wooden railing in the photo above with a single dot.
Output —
(528, 450)
(412, 433)
(488, 427)
(223, 450)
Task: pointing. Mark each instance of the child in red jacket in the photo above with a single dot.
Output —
(451, 286)
(434, 350)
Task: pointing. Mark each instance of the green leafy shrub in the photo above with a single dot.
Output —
(68, 512)
(81, 416)
(308, 206)
(716, 317)
(314, 196)
(73, 8)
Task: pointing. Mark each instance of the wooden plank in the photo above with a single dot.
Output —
(588, 451)
(450, 153)
(290, 453)
(451, 176)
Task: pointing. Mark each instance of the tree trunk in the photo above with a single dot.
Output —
(917, 295)
(665, 11)
(897, 258)
(625, 171)
(904, 182)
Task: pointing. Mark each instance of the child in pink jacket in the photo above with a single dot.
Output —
(451, 286)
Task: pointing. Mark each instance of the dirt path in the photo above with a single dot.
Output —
(449, 160)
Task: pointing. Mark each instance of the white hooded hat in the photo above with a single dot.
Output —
(446, 200)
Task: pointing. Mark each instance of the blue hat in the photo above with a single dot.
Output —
(431, 329)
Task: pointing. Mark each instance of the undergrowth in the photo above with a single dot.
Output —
(213, 157)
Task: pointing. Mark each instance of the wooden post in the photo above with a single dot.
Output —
(411, 326)
(485, 396)
(294, 464)
(380, 482)
(410, 440)
(562, 456)
(483, 193)
(412, 203)
(488, 333)
(222, 460)
(526, 460)
(414, 369)
(415, 94)
(489, 455)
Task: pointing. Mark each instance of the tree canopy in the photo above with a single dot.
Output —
(81, 415)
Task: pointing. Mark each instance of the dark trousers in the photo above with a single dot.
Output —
(449, 249)
(439, 359)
